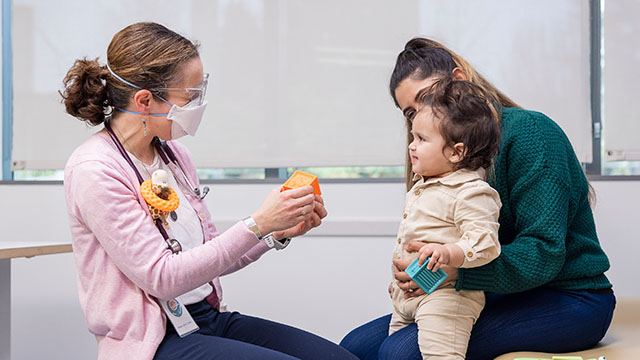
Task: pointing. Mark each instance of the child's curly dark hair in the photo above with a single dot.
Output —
(465, 116)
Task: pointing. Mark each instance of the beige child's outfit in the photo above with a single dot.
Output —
(460, 208)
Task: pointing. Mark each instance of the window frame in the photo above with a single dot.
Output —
(7, 89)
(593, 170)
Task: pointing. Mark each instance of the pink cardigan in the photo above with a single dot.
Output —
(122, 261)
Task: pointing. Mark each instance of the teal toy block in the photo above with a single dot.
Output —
(425, 278)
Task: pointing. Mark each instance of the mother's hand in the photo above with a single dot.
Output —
(404, 281)
(319, 213)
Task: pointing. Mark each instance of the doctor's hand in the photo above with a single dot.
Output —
(319, 213)
(286, 209)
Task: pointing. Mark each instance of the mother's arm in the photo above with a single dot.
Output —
(537, 253)
(535, 187)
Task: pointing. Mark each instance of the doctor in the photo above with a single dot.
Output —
(134, 273)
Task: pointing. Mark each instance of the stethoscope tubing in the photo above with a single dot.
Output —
(169, 158)
(172, 244)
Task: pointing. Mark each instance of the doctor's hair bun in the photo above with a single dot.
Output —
(84, 95)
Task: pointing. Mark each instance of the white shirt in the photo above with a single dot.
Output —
(186, 229)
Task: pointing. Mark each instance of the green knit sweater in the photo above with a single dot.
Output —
(547, 231)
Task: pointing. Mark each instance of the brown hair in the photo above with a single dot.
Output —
(145, 54)
(424, 58)
(465, 116)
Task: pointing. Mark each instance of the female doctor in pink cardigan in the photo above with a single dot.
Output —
(136, 273)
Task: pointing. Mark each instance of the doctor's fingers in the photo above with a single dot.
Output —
(299, 192)
(307, 200)
(314, 220)
(320, 209)
(305, 212)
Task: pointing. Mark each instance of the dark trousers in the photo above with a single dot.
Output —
(545, 320)
(231, 335)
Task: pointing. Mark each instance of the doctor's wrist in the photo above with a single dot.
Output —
(261, 224)
(277, 243)
(253, 226)
(278, 235)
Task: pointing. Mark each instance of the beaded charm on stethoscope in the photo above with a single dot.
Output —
(160, 198)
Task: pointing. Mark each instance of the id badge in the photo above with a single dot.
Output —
(179, 317)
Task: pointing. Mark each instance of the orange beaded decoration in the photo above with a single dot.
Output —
(158, 207)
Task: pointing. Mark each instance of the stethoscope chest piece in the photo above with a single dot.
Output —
(165, 153)
(174, 245)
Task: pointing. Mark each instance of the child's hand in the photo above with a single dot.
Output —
(439, 253)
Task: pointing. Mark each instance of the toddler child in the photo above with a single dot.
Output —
(451, 209)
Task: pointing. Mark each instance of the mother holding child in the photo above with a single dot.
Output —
(546, 291)
(537, 283)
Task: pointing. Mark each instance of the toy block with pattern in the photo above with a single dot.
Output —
(301, 178)
(425, 278)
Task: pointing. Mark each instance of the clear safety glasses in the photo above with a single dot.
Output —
(196, 95)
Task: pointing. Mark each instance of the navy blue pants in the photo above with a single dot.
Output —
(545, 320)
(231, 335)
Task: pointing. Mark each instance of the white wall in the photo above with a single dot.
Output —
(326, 284)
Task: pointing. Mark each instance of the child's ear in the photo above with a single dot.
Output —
(458, 152)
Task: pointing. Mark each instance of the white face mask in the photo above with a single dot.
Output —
(185, 119)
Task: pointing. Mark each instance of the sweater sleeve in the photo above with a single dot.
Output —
(111, 209)
(249, 257)
(539, 201)
(253, 254)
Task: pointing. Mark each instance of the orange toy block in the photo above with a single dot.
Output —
(301, 178)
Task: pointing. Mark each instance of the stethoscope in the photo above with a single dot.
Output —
(169, 159)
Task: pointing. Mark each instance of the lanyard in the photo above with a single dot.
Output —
(173, 244)
(166, 153)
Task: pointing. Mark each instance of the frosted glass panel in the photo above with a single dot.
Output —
(537, 52)
(622, 80)
(303, 83)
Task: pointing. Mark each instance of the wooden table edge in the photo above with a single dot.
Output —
(31, 251)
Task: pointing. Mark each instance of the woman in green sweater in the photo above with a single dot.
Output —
(547, 290)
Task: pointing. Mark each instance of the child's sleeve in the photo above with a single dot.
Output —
(476, 213)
